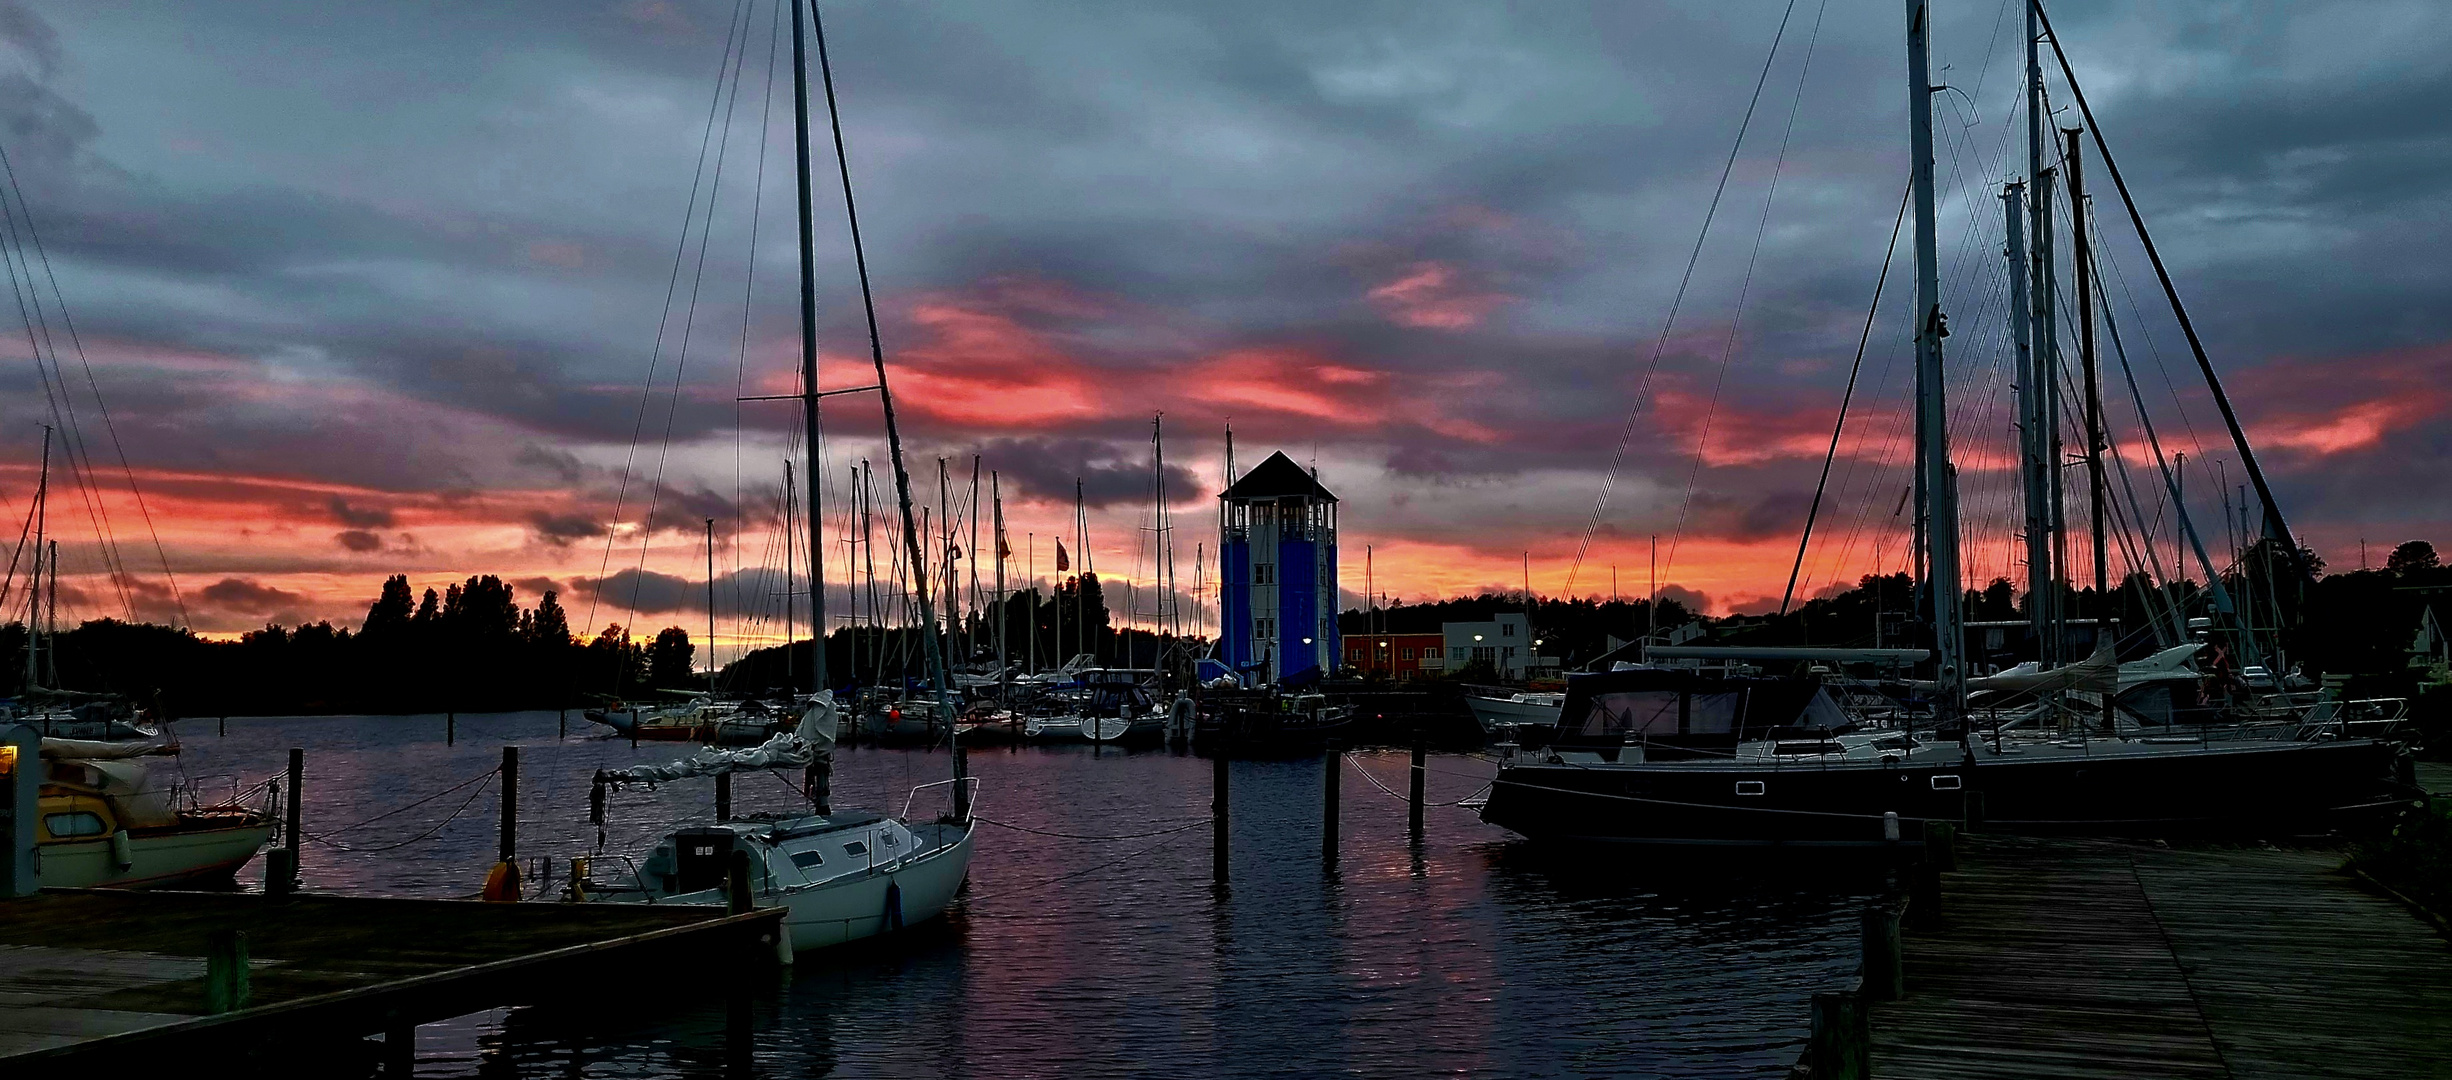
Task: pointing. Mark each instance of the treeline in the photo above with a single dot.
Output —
(473, 647)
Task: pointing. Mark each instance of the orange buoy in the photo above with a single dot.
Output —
(502, 883)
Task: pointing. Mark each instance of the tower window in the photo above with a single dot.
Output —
(1264, 573)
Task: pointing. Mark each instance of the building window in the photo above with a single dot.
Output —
(1264, 573)
(1264, 628)
(1485, 652)
(1508, 652)
(1456, 652)
(1506, 629)
(1406, 652)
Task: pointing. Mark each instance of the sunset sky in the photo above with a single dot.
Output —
(406, 288)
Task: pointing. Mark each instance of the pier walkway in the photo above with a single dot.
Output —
(2091, 959)
(94, 977)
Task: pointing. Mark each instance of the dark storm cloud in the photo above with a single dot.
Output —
(248, 597)
(362, 517)
(431, 249)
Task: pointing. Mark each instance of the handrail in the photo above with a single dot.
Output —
(972, 802)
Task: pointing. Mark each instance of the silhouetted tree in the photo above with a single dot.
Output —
(668, 660)
(2412, 557)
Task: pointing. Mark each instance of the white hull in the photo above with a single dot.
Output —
(159, 859)
(843, 911)
(1494, 712)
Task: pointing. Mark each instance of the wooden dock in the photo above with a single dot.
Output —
(117, 979)
(2090, 959)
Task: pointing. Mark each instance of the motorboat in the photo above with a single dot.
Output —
(111, 824)
(1497, 711)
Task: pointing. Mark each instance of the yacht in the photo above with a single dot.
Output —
(113, 824)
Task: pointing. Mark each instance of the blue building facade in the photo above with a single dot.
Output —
(1277, 574)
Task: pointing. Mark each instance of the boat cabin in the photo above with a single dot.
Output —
(1675, 713)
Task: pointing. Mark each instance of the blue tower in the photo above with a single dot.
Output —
(1277, 571)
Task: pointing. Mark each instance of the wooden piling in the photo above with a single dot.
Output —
(1884, 978)
(221, 728)
(1974, 801)
(1332, 775)
(1413, 816)
(280, 872)
(561, 723)
(451, 728)
(225, 971)
(510, 803)
(723, 797)
(1218, 809)
(1841, 1045)
(1941, 845)
(291, 836)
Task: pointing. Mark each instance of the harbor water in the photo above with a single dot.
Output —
(1468, 952)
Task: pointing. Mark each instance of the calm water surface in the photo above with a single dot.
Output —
(1469, 953)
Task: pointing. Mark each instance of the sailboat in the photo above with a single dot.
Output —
(1661, 756)
(841, 874)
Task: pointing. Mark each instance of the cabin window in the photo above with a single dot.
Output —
(807, 859)
(1945, 783)
(70, 826)
(1749, 787)
(855, 849)
(1633, 712)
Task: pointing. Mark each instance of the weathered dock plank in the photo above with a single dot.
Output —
(2084, 959)
(97, 975)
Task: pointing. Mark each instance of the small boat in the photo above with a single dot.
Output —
(1506, 710)
(841, 875)
(108, 824)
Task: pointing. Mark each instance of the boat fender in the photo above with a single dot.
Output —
(893, 906)
(502, 883)
(123, 854)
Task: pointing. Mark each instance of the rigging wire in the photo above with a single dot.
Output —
(1634, 414)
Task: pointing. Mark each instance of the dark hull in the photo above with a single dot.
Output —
(2255, 789)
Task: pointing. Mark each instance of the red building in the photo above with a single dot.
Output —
(1398, 656)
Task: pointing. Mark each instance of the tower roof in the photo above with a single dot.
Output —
(1278, 477)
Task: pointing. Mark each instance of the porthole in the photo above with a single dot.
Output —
(1749, 787)
(1945, 782)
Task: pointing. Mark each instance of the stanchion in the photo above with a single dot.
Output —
(1841, 1046)
(226, 986)
(510, 804)
(1884, 978)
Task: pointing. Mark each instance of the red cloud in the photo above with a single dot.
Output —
(1431, 295)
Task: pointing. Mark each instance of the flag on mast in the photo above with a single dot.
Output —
(1062, 563)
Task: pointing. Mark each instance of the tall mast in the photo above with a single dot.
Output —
(893, 434)
(790, 506)
(1083, 642)
(34, 574)
(2033, 467)
(1004, 671)
(710, 607)
(970, 558)
(808, 338)
(1932, 417)
(2043, 288)
(2081, 261)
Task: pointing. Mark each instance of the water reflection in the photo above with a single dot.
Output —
(1460, 952)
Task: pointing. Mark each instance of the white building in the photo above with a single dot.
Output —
(1505, 642)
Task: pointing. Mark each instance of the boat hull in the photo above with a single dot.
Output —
(2268, 789)
(153, 859)
(915, 891)
(1494, 713)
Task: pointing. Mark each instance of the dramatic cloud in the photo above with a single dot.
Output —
(434, 308)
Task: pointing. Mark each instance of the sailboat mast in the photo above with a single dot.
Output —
(1004, 671)
(790, 507)
(2033, 468)
(2081, 258)
(34, 573)
(893, 432)
(808, 341)
(970, 558)
(710, 607)
(2043, 287)
(1932, 418)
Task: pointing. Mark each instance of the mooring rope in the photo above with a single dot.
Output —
(482, 782)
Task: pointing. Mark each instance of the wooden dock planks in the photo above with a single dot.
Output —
(95, 973)
(2089, 959)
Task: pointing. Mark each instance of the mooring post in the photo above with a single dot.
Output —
(561, 723)
(1975, 811)
(1841, 1046)
(280, 872)
(1413, 817)
(1218, 808)
(225, 971)
(723, 797)
(451, 727)
(510, 803)
(290, 836)
(221, 728)
(736, 884)
(1940, 845)
(634, 729)
(1332, 772)
(1884, 979)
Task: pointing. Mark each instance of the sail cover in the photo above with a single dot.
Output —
(788, 750)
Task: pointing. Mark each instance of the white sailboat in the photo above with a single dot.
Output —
(840, 875)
